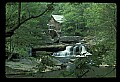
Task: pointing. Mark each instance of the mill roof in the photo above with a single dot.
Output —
(59, 18)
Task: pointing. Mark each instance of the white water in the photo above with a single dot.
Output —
(71, 51)
(64, 53)
(83, 50)
(74, 50)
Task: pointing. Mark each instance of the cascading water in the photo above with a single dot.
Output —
(63, 56)
(74, 50)
(83, 50)
(78, 50)
(68, 50)
(65, 53)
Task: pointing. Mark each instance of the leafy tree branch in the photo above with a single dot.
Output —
(11, 32)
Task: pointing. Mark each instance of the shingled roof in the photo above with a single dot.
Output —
(59, 18)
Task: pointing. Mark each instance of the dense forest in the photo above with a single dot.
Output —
(96, 23)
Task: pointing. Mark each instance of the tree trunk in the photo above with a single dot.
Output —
(19, 11)
(11, 32)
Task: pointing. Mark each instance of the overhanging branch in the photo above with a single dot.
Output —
(11, 32)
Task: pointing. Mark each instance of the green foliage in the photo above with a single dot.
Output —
(77, 32)
(98, 51)
(94, 19)
(30, 32)
(45, 61)
(41, 67)
(11, 13)
(70, 29)
(82, 67)
(82, 19)
(101, 21)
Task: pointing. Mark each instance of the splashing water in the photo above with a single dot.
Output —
(83, 50)
(73, 51)
(64, 53)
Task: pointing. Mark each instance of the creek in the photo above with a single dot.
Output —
(97, 73)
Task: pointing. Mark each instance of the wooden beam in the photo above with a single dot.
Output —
(51, 48)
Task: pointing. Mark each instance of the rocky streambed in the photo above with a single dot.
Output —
(26, 68)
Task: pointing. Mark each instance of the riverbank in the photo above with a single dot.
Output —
(26, 69)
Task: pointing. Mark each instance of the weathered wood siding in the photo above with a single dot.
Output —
(55, 25)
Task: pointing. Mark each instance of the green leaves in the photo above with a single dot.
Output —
(30, 32)
(82, 19)
(45, 61)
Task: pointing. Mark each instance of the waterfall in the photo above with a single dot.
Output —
(74, 50)
(68, 48)
(71, 52)
(83, 50)
(65, 53)
(78, 50)
(80, 47)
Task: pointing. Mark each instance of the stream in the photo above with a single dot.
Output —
(25, 68)
(97, 73)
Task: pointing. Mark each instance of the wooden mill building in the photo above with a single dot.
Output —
(56, 22)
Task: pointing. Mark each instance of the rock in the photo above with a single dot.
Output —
(57, 62)
(56, 68)
(15, 57)
(69, 39)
